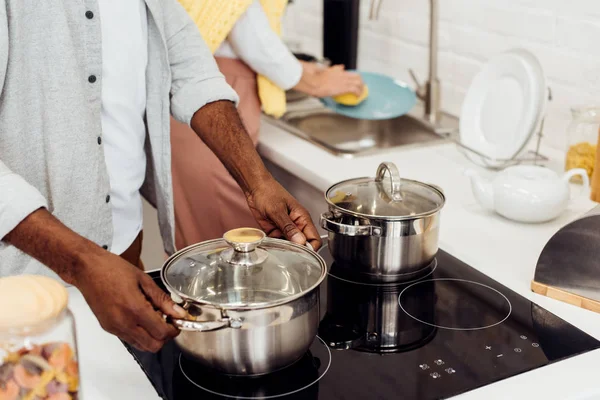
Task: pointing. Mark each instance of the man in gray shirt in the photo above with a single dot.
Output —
(86, 89)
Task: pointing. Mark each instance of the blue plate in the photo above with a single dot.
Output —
(388, 98)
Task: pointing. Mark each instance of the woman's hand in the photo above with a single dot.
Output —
(321, 81)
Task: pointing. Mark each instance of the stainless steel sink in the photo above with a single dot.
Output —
(425, 125)
(348, 137)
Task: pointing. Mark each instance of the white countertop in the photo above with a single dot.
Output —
(503, 250)
(108, 371)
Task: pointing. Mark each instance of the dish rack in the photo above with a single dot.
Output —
(532, 156)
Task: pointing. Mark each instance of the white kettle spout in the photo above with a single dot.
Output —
(482, 190)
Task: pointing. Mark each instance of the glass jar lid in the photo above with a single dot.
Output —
(393, 198)
(590, 113)
(29, 302)
(243, 270)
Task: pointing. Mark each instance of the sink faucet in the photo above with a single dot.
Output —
(375, 7)
(430, 92)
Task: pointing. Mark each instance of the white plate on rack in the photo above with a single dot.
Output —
(503, 108)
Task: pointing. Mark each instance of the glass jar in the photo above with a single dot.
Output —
(582, 140)
(38, 345)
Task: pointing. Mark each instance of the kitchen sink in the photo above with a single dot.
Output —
(348, 137)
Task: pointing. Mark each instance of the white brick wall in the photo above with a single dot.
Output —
(563, 34)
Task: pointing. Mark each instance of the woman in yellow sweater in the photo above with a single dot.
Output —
(244, 36)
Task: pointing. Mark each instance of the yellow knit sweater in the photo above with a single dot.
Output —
(216, 18)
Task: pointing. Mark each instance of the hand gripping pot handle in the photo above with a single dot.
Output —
(329, 224)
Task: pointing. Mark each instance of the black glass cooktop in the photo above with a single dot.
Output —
(448, 332)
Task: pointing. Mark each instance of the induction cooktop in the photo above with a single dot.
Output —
(450, 331)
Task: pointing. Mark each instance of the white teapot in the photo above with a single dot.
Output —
(526, 193)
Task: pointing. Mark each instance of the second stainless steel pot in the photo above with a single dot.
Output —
(253, 303)
(383, 229)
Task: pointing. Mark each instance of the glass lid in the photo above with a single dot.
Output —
(243, 270)
(392, 198)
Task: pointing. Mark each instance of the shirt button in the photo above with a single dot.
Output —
(99, 140)
(92, 78)
(108, 198)
(89, 14)
(105, 247)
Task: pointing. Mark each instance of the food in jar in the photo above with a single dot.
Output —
(341, 197)
(40, 372)
(581, 155)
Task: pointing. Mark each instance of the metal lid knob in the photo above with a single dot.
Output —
(244, 243)
(244, 240)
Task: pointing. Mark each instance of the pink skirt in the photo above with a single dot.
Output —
(208, 201)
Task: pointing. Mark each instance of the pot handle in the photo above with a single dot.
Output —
(330, 225)
(394, 178)
(205, 326)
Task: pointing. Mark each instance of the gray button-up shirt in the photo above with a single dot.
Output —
(51, 152)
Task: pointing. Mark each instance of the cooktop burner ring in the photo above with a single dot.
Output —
(433, 266)
(454, 328)
(321, 375)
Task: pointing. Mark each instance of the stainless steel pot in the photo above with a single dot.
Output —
(253, 302)
(369, 317)
(384, 229)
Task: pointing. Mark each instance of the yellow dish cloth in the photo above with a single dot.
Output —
(216, 18)
(271, 96)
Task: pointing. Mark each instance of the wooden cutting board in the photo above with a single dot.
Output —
(566, 297)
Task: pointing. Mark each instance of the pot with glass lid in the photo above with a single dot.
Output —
(252, 301)
(386, 230)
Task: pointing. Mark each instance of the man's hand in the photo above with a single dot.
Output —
(280, 215)
(128, 303)
(123, 298)
(218, 124)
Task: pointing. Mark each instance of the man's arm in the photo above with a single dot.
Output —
(219, 126)
(202, 99)
(45, 238)
(120, 295)
(279, 214)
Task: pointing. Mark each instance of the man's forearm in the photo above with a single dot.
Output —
(46, 239)
(218, 124)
